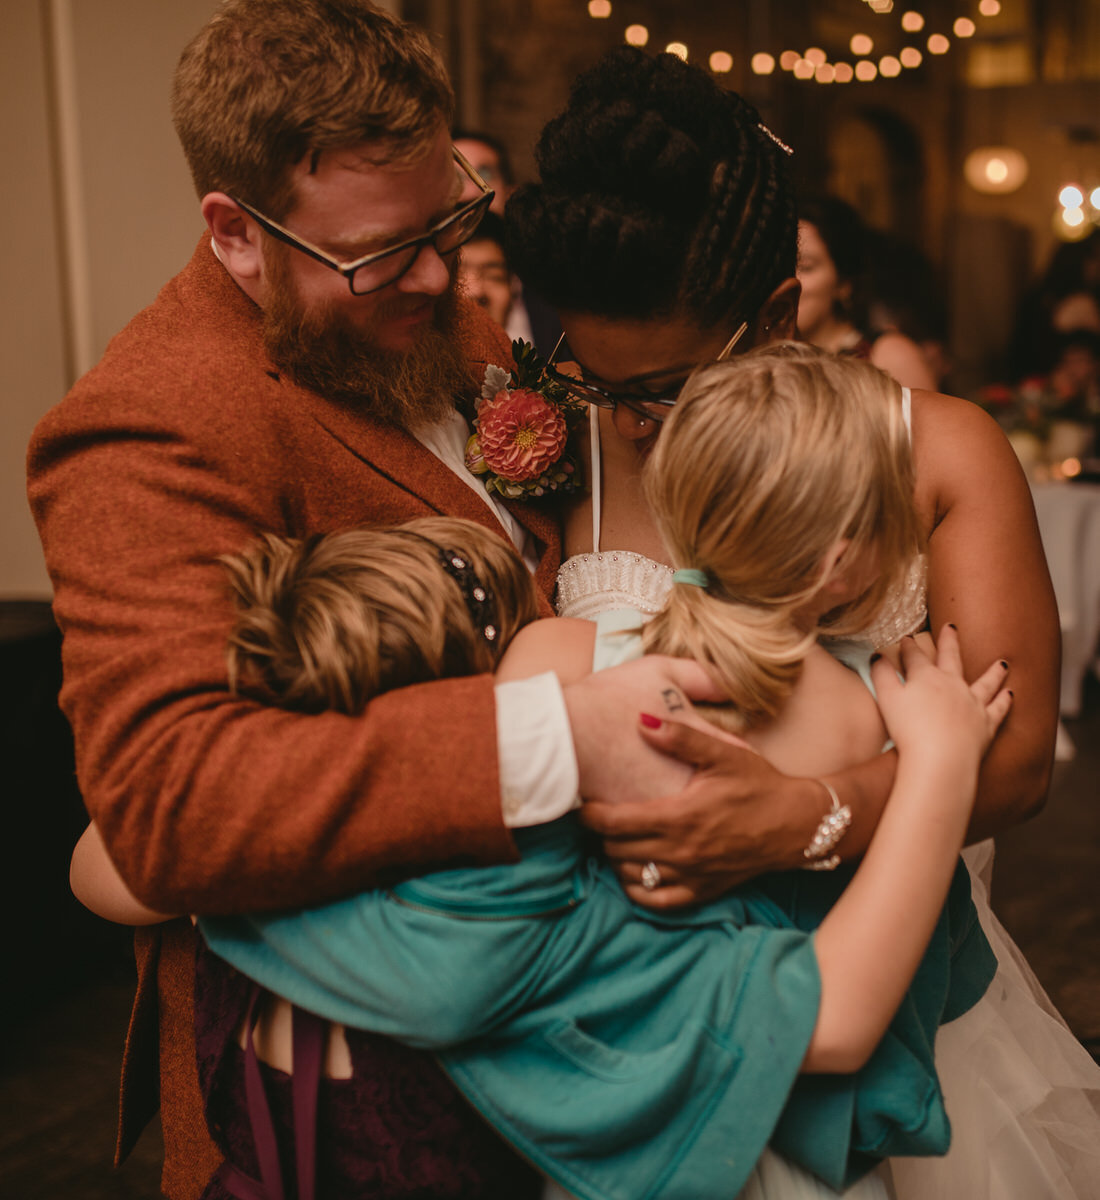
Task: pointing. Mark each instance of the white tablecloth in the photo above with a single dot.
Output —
(1069, 523)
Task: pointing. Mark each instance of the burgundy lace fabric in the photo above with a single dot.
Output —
(396, 1130)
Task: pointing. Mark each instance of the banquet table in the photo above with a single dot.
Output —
(1069, 524)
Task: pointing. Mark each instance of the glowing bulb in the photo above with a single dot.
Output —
(995, 170)
(912, 22)
(865, 70)
(637, 35)
(677, 48)
(964, 27)
(989, 8)
(599, 8)
(825, 73)
(803, 69)
(843, 73)
(815, 55)
(788, 59)
(881, 6)
(1071, 196)
(1073, 217)
(720, 62)
(889, 67)
(762, 64)
(861, 44)
(938, 44)
(911, 57)
(1094, 197)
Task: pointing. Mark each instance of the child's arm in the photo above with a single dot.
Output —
(96, 883)
(560, 644)
(871, 942)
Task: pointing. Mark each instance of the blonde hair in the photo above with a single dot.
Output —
(767, 461)
(331, 621)
(267, 82)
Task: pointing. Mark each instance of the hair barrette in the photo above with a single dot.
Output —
(778, 141)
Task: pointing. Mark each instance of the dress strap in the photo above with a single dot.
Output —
(907, 410)
(597, 490)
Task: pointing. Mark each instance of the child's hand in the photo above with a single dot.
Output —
(935, 711)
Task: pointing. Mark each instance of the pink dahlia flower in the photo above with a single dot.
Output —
(521, 434)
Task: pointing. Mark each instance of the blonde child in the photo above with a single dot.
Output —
(624, 1052)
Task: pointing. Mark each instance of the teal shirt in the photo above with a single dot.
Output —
(627, 1054)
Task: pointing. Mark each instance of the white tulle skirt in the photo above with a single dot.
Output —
(1022, 1093)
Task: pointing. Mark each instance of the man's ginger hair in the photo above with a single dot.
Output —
(268, 83)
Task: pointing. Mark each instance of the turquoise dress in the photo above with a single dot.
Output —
(627, 1054)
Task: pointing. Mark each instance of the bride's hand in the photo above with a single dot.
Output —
(735, 817)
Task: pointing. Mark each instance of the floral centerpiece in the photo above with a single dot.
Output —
(1046, 419)
(521, 447)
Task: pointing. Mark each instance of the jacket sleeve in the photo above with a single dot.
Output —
(210, 803)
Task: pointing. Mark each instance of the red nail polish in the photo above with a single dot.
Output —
(650, 721)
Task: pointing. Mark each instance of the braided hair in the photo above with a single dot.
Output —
(659, 192)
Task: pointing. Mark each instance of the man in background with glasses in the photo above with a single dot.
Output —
(300, 375)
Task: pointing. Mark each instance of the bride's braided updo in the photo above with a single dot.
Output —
(659, 192)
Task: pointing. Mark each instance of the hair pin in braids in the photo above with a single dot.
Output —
(479, 600)
(778, 141)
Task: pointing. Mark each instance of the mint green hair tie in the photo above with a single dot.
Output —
(692, 576)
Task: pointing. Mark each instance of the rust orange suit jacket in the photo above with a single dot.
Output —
(181, 445)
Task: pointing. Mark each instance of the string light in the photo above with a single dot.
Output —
(1094, 198)
(814, 62)
(1071, 196)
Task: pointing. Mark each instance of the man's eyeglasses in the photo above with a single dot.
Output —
(383, 267)
(638, 402)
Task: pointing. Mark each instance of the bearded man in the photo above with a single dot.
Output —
(300, 374)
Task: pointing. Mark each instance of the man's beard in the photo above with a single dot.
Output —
(320, 349)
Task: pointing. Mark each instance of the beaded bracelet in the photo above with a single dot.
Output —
(834, 825)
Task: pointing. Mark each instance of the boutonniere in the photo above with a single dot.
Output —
(521, 446)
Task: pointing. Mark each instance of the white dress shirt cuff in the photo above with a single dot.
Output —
(538, 766)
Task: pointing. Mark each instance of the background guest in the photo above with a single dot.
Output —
(833, 308)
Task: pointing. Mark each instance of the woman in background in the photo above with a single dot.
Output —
(833, 309)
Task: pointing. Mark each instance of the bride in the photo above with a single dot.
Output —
(664, 230)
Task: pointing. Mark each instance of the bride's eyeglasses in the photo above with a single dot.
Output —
(645, 404)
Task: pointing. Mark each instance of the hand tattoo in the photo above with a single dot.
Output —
(674, 701)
